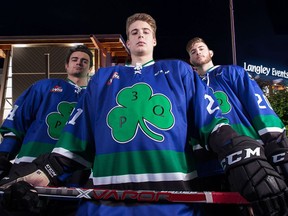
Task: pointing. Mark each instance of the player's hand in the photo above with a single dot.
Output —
(37, 178)
(250, 174)
(43, 171)
(277, 154)
(21, 197)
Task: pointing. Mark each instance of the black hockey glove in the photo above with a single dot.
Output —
(277, 154)
(43, 171)
(21, 197)
(250, 174)
(5, 165)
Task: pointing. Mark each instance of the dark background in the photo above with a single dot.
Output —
(261, 26)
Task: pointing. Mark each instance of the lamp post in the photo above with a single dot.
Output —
(232, 32)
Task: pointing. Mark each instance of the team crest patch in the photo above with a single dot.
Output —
(114, 76)
(56, 89)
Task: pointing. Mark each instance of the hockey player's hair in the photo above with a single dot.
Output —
(80, 48)
(141, 17)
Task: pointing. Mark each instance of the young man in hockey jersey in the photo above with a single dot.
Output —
(243, 102)
(36, 121)
(249, 112)
(133, 126)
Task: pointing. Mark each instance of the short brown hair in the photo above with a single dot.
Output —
(80, 48)
(142, 17)
(192, 42)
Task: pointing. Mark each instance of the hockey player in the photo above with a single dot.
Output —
(243, 102)
(133, 126)
(39, 114)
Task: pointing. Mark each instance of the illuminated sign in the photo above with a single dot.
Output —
(263, 70)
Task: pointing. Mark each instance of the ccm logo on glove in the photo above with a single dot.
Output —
(239, 156)
(50, 171)
(279, 157)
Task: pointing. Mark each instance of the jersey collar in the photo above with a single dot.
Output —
(143, 65)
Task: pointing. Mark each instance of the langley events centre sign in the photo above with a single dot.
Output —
(262, 70)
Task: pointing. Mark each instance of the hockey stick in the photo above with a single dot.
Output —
(142, 195)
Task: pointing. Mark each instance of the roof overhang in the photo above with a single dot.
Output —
(111, 43)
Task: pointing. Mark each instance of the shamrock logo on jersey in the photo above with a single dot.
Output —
(57, 120)
(223, 101)
(138, 108)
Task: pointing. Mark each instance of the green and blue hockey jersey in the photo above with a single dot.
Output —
(242, 102)
(133, 127)
(38, 116)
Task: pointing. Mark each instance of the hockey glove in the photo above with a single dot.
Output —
(5, 165)
(21, 197)
(250, 174)
(277, 154)
(43, 171)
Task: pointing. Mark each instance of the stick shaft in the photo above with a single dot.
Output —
(143, 196)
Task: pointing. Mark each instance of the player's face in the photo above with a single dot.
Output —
(141, 40)
(200, 54)
(78, 65)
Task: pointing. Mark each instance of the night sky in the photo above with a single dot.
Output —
(261, 26)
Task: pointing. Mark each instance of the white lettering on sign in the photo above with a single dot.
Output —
(263, 70)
